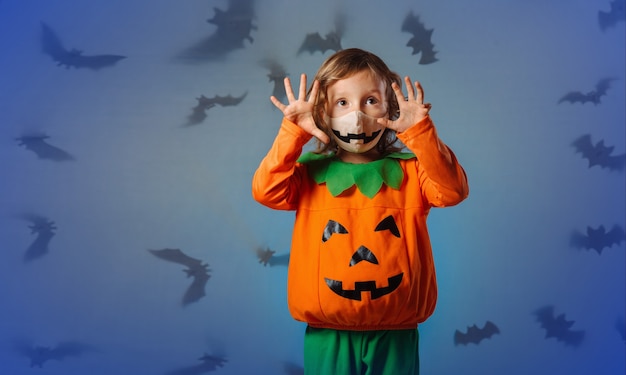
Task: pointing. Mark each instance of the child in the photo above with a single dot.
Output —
(361, 271)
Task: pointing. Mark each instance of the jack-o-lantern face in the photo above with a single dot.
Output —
(360, 254)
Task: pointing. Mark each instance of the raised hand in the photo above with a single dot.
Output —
(412, 109)
(300, 110)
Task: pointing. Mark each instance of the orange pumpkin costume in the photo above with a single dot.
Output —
(361, 257)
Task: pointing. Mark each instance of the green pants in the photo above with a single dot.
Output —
(329, 351)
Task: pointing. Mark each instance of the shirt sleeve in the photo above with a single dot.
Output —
(275, 182)
(442, 178)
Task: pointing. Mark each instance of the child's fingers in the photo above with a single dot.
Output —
(398, 91)
(409, 88)
(314, 88)
(289, 90)
(277, 103)
(385, 122)
(420, 92)
(319, 134)
(302, 89)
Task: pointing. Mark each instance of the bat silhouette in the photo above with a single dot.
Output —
(597, 239)
(195, 268)
(234, 25)
(39, 355)
(421, 40)
(474, 334)
(45, 230)
(209, 363)
(73, 58)
(615, 15)
(277, 74)
(593, 96)
(558, 327)
(599, 154)
(267, 257)
(198, 113)
(314, 42)
(44, 150)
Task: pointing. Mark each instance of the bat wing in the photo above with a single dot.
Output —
(51, 44)
(53, 47)
(545, 316)
(279, 260)
(412, 24)
(563, 333)
(38, 355)
(197, 116)
(39, 247)
(421, 42)
(475, 335)
(229, 100)
(614, 163)
(428, 55)
(460, 338)
(211, 362)
(264, 255)
(177, 256)
(614, 237)
(198, 113)
(196, 290)
(490, 329)
(278, 91)
(234, 25)
(558, 327)
(314, 42)
(94, 62)
(602, 156)
(43, 149)
(613, 16)
(44, 229)
(583, 145)
(603, 86)
(599, 154)
(276, 74)
(575, 97)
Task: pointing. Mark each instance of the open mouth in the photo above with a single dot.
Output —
(364, 286)
(363, 136)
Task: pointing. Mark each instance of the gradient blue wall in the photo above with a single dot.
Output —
(140, 180)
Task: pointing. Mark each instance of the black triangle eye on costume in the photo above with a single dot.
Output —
(331, 228)
(389, 224)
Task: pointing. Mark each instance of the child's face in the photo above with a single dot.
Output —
(359, 92)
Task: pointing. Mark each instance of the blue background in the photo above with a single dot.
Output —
(140, 180)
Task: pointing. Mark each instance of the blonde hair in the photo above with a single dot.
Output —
(344, 64)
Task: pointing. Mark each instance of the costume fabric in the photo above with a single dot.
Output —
(330, 351)
(361, 256)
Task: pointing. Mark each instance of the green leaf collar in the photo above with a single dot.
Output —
(368, 177)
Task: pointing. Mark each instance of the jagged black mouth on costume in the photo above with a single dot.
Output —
(363, 136)
(364, 286)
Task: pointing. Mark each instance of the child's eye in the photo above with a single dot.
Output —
(371, 101)
(342, 102)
